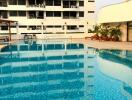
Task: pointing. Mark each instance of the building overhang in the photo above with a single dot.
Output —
(116, 13)
(7, 21)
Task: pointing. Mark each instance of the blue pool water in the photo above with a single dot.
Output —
(64, 70)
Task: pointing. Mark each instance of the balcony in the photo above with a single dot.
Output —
(70, 4)
(70, 15)
(3, 3)
(3, 15)
(36, 15)
(36, 3)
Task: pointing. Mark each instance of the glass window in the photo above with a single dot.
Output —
(49, 2)
(81, 14)
(73, 14)
(81, 3)
(72, 27)
(57, 14)
(3, 14)
(21, 13)
(12, 2)
(66, 4)
(13, 13)
(21, 2)
(57, 2)
(4, 27)
(66, 14)
(49, 14)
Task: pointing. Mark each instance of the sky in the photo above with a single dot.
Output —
(101, 3)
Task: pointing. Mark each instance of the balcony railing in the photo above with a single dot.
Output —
(67, 17)
(37, 5)
(70, 6)
(3, 17)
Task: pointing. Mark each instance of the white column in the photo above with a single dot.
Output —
(17, 30)
(42, 28)
(27, 3)
(65, 28)
(62, 3)
(124, 31)
(86, 28)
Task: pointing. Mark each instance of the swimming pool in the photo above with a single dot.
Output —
(64, 70)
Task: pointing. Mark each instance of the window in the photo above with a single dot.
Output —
(81, 3)
(13, 26)
(50, 26)
(17, 13)
(90, 11)
(3, 3)
(57, 26)
(73, 14)
(57, 2)
(72, 27)
(91, 0)
(13, 13)
(73, 4)
(81, 26)
(49, 14)
(49, 2)
(66, 4)
(81, 14)
(32, 14)
(57, 14)
(22, 26)
(3, 14)
(12, 2)
(66, 14)
(21, 13)
(21, 2)
(4, 27)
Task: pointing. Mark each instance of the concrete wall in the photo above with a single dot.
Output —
(116, 13)
(124, 31)
(130, 35)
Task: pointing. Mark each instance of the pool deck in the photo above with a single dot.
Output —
(106, 44)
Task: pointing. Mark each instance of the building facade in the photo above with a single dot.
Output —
(118, 14)
(48, 18)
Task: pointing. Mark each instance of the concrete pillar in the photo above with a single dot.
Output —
(9, 25)
(65, 28)
(42, 28)
(27, 3)
(17, 31)
(62, 3)
(124, 31)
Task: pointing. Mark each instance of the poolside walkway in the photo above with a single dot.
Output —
(106, 44)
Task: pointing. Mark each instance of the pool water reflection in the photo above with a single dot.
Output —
(64, 70)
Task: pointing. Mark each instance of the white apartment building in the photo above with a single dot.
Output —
(48, 18)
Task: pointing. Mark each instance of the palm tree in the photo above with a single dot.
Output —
(115, 33)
